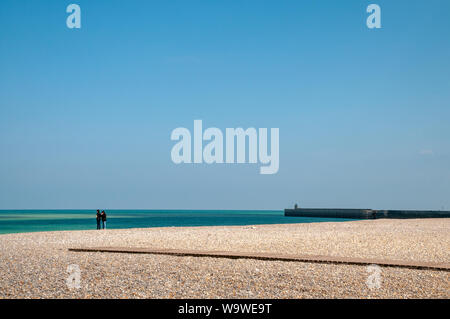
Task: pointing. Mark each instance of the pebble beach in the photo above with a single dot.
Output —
(35, 265)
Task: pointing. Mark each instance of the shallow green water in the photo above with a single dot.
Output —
(16, 221)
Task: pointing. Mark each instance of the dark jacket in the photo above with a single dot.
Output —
(104, 217)
(99, 216)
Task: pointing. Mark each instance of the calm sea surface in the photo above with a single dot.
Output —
(17, 221)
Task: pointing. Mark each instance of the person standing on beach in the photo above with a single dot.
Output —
(99, 217)
(103, 219)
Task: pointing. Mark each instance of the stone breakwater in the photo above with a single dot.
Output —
(364, 213)
(35, 265)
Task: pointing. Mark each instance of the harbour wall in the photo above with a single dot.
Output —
(364, 213)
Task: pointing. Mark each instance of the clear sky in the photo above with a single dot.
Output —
(86, 114)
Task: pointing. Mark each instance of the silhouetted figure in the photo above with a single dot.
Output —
(103, 219)
(99, 218)
(295, 206)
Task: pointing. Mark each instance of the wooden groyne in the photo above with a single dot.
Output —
(269, 256)
(364, 213)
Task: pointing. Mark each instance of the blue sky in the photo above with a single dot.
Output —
(86, 115)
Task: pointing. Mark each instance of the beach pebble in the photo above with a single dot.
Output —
(35, 265)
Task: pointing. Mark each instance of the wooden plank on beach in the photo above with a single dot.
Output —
(270, 256)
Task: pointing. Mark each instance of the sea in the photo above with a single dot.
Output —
(20, 221)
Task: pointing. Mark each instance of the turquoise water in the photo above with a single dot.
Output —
(18, 221)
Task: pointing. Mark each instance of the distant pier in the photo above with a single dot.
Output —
(364, 213)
